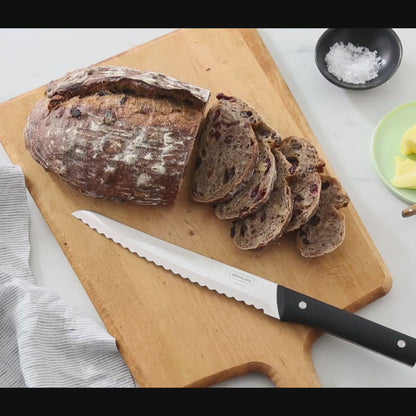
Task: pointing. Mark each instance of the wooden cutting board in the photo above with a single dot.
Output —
(173, 333)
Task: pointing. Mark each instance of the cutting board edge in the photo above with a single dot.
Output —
(385, 285)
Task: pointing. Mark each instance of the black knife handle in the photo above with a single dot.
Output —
(296, 307)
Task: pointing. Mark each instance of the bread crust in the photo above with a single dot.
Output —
(116, 79)
(117, 133)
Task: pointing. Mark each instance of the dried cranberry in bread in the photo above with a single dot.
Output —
(305, 180)
(264, 227)
(257, 190)
(117, 132)
(325, 230)
(227, 151)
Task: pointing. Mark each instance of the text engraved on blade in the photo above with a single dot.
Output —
(240, 279)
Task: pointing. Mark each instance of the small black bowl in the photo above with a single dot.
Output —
(384, 41)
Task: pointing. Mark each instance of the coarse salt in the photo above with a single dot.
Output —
(352, 64)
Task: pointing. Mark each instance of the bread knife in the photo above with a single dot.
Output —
(275, 300)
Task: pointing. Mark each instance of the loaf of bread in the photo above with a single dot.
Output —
(117, 133)
(304, 180)
(265, 226)
(325, 230)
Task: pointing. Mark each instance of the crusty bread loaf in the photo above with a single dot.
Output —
(117, 132)
(305, 180)
(227, 151)
(325, 230)
(265, 226)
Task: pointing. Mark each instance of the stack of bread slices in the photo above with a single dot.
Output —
(265, 185)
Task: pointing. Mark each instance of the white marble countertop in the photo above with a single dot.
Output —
(342, 120)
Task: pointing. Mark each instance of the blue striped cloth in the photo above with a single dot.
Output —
(44, 342)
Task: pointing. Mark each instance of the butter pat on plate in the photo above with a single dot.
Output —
(405, 176)
(408, 144)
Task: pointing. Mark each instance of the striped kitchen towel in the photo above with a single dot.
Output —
(44, 341)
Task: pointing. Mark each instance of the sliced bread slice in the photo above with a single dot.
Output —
(257, 190)
(228, 151)
(302, 155)
(264, 227)
(305, 180)
(325, 230)
(306, 189)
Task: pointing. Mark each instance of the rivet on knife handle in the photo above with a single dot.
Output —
(296, 307)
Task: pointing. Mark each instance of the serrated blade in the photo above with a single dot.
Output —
(224, 279)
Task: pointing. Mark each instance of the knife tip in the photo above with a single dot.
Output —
(80, 214)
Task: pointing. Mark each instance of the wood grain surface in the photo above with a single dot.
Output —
(171, 332)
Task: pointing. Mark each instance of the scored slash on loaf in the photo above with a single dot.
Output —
(267, 186)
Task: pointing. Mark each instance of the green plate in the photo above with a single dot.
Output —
(385, 146)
